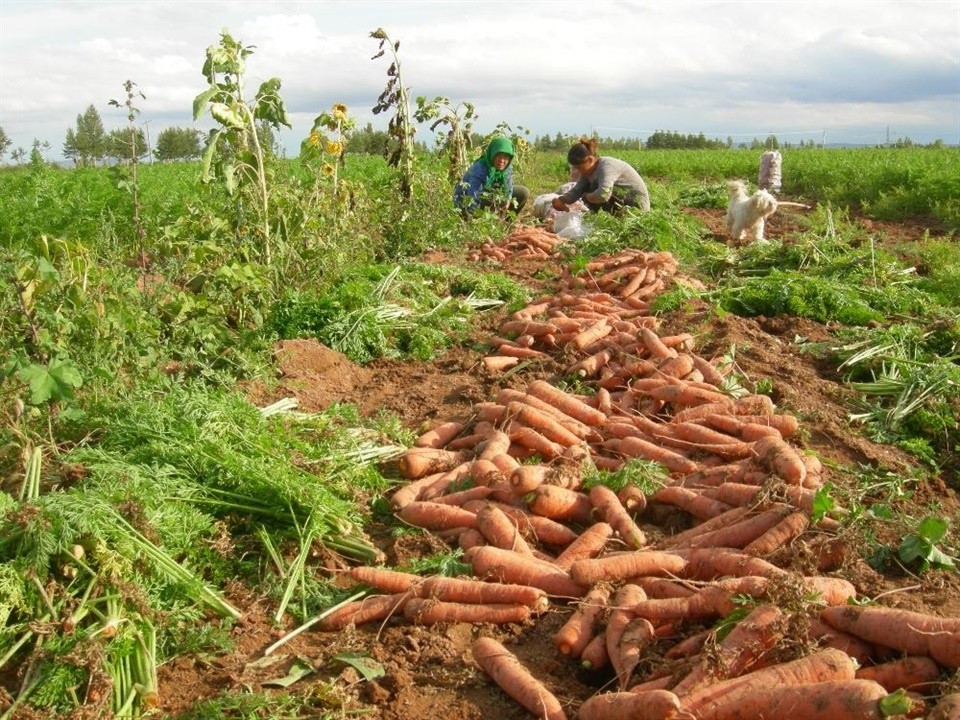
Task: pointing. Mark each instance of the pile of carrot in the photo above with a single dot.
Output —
(507, 487)
(529, 242)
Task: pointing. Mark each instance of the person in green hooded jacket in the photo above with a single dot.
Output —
(488, 182)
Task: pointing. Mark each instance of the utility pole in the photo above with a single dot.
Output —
(146, 124)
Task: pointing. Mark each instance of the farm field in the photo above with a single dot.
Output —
(182, 342)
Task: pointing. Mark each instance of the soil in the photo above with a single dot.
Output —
(429, 673)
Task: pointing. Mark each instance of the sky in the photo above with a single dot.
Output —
(844, 71)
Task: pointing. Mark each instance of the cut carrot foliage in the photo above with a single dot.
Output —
(513, 678)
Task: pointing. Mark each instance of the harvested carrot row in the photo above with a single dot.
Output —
(626, 565)
(608, 504)
(359, 612)
(513, 678)
(910, 632)
(508, 567)
(581, 627)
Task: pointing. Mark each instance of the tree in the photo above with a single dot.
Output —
(175, 143)
(5, 143)
(86, 145)
(118, 144)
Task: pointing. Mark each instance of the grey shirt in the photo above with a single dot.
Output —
(610, 176)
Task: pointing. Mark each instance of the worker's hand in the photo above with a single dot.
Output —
(559, 204)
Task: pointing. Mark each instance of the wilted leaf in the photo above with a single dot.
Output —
(299, 670)
(370, 669)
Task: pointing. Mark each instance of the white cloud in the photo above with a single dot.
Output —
(724, 67)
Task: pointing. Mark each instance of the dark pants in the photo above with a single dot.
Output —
(618, 201)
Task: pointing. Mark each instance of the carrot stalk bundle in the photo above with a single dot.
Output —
(513, 678)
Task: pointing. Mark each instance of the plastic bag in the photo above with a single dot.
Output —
(570, 225)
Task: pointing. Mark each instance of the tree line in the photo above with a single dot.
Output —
(89, 144)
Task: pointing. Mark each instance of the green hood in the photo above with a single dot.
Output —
(496, 179)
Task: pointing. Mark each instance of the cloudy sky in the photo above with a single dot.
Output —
(858, 71)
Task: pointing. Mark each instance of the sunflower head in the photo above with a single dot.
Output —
(327, 170)
(339, 111)
(333, 147)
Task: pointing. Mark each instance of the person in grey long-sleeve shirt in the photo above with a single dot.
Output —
(606, 183)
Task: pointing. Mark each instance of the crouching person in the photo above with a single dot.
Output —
(488, 183)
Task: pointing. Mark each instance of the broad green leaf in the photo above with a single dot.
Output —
(299, 670)
(56, 381)
(226, 115)
(933, 528)
(370, 669)
(208, 153)
(201, 100)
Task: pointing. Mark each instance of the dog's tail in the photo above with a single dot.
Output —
(783, 203)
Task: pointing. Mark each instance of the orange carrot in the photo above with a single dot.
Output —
(696, 504)
(384, 579)
(831, 700)
(497, 443)
(655, 345)
(781, 459)
(618, 619)
(690, 646)
(822, 666)
(742, 649)
(739, 534)
(634, 639)
(910, 632)
(470, 538)
(633, 447)
(369, 609)
(540, 529)
(650, 705)
(537, 443)
(829, 637)
(658, 587)
(753, 405)
(722, 520)
(687, 395)
(606, 502)
(440, 435)
(591, 334)
(417, 462)
(633, 499)
(527, 478)
(707, 440)
(414, 490)
(710, 602)
(626, 565)
(559, 503)
(709, 371)
(699, 412)
(788, 425)
(914, 672)
(436, 516)
(566, 403)
(581, 627)
(500, 530)
(477, 492)
(542, 423)
(513, 678)
(470, 590)
(676, 367)
(780, 535)
(506, 566)
(527, 327)
(732, 493)
(499, 363)
(588, 544)
(575, 426)
(427, 611)
(594, 655)
(711, 563)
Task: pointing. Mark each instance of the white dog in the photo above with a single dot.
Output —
(746, 213)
